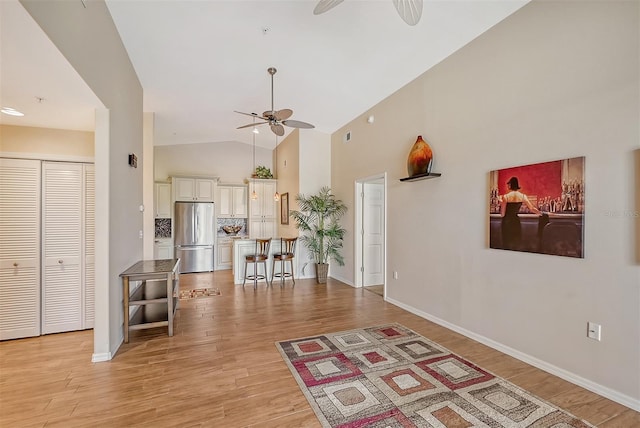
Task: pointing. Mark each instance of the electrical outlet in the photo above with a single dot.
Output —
(594, 331)
(395, 274)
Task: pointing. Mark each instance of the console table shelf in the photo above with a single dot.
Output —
(155, 300)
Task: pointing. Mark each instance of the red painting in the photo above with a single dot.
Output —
(538, 208)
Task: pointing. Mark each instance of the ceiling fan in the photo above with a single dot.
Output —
(409, 10)
(275, 118)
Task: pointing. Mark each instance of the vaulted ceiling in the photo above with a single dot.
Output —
(198, 61)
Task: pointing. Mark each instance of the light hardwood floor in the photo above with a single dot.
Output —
(221, 368)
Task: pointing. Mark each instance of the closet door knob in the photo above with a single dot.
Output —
(15, 264)
(60, 261)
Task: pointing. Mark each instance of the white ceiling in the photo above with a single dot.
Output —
(198, 61)
(32, 68)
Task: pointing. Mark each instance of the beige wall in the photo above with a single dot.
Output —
(304, 166)
(231, 161)
(288, 175)
(45, 141)
(87, 37)
(555, 80)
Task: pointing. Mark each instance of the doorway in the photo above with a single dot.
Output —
(370, 237)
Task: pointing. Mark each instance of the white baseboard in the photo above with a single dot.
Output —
(101, 357)
(346, 281)
(604, 391)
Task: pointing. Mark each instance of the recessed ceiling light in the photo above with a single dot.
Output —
(11, 111)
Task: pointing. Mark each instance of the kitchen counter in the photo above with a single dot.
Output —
(243, 246)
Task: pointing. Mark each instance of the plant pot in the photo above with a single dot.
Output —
(321, 272)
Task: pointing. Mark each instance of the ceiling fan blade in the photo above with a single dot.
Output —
(252, 124)
(297, 124)
(409, 10)
(277, 129)
(325, 5)
(283, 114)
(248, 114)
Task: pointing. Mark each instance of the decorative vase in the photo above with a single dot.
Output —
(321, 272)
(420, 158)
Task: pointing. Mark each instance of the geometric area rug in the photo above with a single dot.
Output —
(198, 292)
(390, 376)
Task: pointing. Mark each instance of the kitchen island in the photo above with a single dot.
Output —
(244, 246)
(154, 301)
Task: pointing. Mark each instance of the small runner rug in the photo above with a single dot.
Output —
(390, 376)
(199, 292)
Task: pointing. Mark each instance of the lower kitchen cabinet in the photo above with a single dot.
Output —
(163, 249)
(223, 258)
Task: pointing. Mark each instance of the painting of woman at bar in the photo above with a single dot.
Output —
(538, 208)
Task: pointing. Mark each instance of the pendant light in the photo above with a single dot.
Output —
(254, 195)
(276, 196)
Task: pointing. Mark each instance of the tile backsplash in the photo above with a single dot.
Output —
(163, 228)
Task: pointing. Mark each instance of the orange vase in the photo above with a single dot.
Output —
(420, 158)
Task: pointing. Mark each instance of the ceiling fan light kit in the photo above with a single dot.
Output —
(275, 118)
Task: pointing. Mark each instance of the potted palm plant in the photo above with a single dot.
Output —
(317, 217)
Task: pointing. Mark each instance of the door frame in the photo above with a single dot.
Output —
(357, 244)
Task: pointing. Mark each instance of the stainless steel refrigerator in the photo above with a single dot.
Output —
(194, 236)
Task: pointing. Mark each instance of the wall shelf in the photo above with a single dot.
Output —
(424, 176)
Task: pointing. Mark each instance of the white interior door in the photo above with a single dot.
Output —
(62, 221)
(19, 248)
(88, 305)
(372, 233)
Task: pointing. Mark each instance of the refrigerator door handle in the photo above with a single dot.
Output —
(196, 232)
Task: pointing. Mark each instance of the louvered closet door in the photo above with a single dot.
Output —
(19, 248)
(89, 246)
(62, 221)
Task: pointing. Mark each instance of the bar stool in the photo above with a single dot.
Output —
(286, 254)
(260, 255)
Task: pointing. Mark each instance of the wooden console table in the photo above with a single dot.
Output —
(152, 295)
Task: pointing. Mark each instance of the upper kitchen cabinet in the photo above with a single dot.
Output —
(262, 210)
(232, 201)
(264, 205)
(194, 189)
(162, 200)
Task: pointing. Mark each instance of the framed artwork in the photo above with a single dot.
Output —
(538, 208)
(284, 208)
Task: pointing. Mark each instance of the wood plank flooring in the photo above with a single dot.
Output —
(221, 368)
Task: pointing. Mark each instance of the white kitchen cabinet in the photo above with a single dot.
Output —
(262, 210)
(232, 201)
(162, 200)
(19, 248)
(223, 257)
(194, 189)
(163, 249)
(260, 227)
